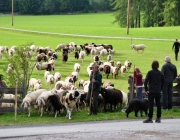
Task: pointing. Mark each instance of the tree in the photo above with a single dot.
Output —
(171, 12)
(22, 66)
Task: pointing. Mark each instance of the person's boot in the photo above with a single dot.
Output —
(148, 120)
(158, 120)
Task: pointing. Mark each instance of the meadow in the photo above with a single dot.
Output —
(97, 28)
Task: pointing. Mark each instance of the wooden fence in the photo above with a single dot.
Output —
(176, 91)
(21, 93)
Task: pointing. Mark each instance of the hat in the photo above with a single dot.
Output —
(94, 65)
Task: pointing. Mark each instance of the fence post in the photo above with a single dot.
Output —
(24, 87)
(131, 88)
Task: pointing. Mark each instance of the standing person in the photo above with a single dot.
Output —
(175, 47)
(170, 73)
(139, 83)
(94, 89)
(153, 85)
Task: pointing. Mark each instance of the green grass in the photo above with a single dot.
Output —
(88, 24)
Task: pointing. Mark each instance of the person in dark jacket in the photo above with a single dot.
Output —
(94, 89)
(175, 47)
(170, 73)
(153, 85)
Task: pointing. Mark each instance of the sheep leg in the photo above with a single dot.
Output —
(42, 111)
(29, 109)
(55, 114)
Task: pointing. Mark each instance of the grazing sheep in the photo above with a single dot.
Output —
(138, 47)
(30, 100)
(111, 52)
(44, 66)
(60, 46)
(10, 68)
(41, 57)
(7, 96)
(107, 83)
(60, 84)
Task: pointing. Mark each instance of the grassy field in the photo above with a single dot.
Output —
(87, 24)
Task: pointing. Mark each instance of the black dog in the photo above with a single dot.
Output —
(137, 105)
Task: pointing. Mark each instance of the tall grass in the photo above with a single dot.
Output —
(88, 24)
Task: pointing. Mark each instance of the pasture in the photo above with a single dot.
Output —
(158, 41)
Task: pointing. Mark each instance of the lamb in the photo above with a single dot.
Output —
(114, 71)
(123, 70)
(30, 100)
(103, 52)
(44, 66)
(10, 68)
(109, 57)
(111, 52)
(138, 47)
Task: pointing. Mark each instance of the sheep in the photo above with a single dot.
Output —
(50, 80)
(109, 57)
(76, 76)
(7, 96)
(107, 83)
(138, 47)
(111, 52)
(60, 84)
(33, 83)
(46, 73)
(82, 55)
(60, 46)
(77, 67)
(127, 64)
(123, 70)
(76, 55)
(114, 71)
(41, 56)
(44, 66)
(57, 76)
(64, 57)
(77, 48)
(103, 52)
(10, 68)
(11, 52)
(41, 101)
(33, 47)
(30, 100)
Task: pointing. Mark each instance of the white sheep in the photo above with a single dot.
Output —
(7, 96)
(109, 57)
(128, 65)
(50, 80)
(82, 55)
(77, 67)
(34, 83)
(138, 47)
(125, 99)
(103, 52)
(29, 100)
(57, 76)
(10, 68)
(111, 52)
(46, 73)
(63, 84)
(114, 71)
(123, 70)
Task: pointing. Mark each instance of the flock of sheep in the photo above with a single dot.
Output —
(64, 94)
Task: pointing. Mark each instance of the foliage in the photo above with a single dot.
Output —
(22, 66)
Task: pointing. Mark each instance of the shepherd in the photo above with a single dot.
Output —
(94, 89)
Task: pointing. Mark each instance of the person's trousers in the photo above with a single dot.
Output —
(157, 98)
(176, 54)
(167, 95)
(94, 101)
(139, 93)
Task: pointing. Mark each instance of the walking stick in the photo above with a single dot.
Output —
(132, 90)
(91, 95)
